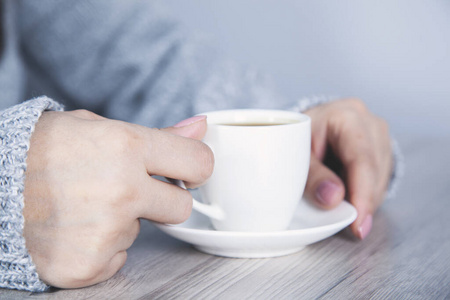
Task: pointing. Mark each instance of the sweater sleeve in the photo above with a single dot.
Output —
(133, 61)
(17, 123)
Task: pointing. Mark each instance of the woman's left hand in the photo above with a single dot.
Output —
(351, 157)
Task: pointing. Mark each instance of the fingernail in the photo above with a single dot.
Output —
(189, 121)
(326, 191)
(365, 227)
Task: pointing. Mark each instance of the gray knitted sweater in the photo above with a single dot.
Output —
(126, 60)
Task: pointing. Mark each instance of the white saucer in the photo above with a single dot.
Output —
(310, 225)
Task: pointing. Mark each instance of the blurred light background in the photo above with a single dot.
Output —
(394, 54)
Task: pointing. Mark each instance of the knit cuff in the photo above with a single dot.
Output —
(305, 104)
(17, 271)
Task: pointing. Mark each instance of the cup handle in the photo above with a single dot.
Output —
(212, 211)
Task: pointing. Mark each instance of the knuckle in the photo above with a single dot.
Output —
(135, 231)
(123, 139)
(84, 113)
(122, 258)
(184, 207)
(120, 193)
(349, 114)
(357, 104)
(80, 272)
(99, 240)
(116, 189)
(384, 125)
(110, 235)
(347, 118)
(87, 271)
(205, 162)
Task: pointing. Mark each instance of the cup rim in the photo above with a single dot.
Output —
(215, 118)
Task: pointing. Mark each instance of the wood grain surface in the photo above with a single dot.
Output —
(406, 256)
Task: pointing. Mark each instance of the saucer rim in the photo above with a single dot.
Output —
(288, 232)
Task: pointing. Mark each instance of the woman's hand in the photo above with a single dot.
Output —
(351, 158)
(88, 182)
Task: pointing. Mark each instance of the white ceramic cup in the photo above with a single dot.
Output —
(260, 171)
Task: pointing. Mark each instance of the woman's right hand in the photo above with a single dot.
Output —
(88, 182)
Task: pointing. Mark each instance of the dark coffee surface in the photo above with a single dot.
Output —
(253, 124)
(275, 123)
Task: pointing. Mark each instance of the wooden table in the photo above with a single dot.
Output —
(407, 255)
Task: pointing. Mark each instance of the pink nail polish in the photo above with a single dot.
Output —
(189, 121)
(326, 191)
(365, 227)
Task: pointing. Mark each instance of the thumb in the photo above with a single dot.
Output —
(194, 128)
(323, 186)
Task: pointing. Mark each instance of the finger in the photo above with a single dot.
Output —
(128, 237)
(323, 186)
(114, 265)
(163, 202)
(352, 144)
(194, 128)
(361, 181)
(177, 157)
(385, 157)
